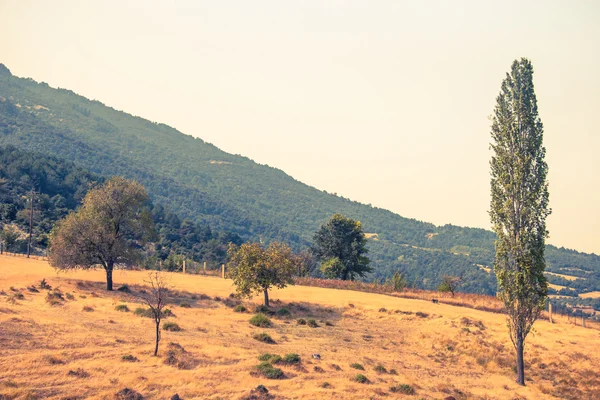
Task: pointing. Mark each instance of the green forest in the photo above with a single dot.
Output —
(207, 197)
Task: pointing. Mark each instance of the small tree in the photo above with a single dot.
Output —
(305, 262)
(519, 205)
(9, 236)
(342, 238)
(255, 269)
(103, 230)
(398, 281)
(156, 299)
(449, 284)
(332, 268)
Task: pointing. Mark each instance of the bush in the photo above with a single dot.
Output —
(381, 369)
(185, 305)
(382, 309)
(325, 385)
(421, 314)
(179, 358)
(404, 389)
(283, 313)
(360, 378)
(69, 296)
(129, 358)
(263, 337)
(262, 309)
(266, 369)
(301, 321)
(32, 289)
(266, 356)
(147, 312)
(88, 309)
(79, 372)
(45, 285)
(55, 298)
(240, 308)
(261, 320)
(122, 308)
(171, 327)
(312, 323)
(357, 366)
(291, 358)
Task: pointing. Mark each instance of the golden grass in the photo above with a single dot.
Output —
(61, 351)
(592, 295)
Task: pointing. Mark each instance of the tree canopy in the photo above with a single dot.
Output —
(519, 204)
(255, 269)
(340, 245)
(105, 230)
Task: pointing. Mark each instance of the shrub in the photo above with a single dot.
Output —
(55, 298)
(312, 323)
(167, 313)
(124, 289)
(147, 312)
(404, 389)
(128, 394)
(44, 284)
(185, 305)
(283, 313)
(357, 366)
(381, 369)
(382, 309)
(53, 360)
(171, 327)
(122, 308)
(88, 309)
(129, 358)
(291, 358)
(204, 297)
(325, 385)
(18, 296)
(261, 320)
(393, 372)
(32, 289)
(69, 296)
(79, 372)
(240, 308)
(301, 321)
(179, 358)
(421, 314)
(262, 309)
(263, 337)
(327, 323)
(360, 378)
(266, 369)
(266, 356)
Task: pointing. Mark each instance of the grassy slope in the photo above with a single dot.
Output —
(436, 355)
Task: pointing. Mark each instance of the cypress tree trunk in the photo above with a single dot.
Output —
(266, 298)
(109, 274)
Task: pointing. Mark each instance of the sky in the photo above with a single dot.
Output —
(382, 102)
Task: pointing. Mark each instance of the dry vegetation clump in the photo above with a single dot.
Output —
(380, 369)
(240, 308)
(357, 366)
(263, 337)
(360, 378)
(55, 298)
(79, 373)
(261, 320)
(129, 358)
(128, 394)
(179, 358)
(312, 323)
(266, 370)
(259, 393)
(122, 308)
(88, 309)
(402, 388)
(301, 321)
(171, 327)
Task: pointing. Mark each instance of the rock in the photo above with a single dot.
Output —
(316, 356)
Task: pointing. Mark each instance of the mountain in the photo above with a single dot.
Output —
(232, 193)
(59, 188)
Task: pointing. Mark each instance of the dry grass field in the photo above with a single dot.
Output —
(75, 349)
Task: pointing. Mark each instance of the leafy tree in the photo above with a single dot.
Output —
(9, 236)
(449, 284)
(342, 238)
(519, 204)
(305, 262)
(104, 230)
(332, 268)
(398, 281)
(255, 269)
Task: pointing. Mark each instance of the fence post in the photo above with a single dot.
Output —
(550, 311)
(223, 271)
(184, 266)
(205, 267)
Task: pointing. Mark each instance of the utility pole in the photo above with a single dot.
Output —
(30, 223)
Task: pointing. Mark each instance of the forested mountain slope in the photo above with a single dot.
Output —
(231, 192)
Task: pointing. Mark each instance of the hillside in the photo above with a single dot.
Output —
(232, 193)
(75, 348)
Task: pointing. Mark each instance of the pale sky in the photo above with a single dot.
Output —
(383, 102)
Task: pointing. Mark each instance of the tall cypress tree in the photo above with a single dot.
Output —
(519, 204)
